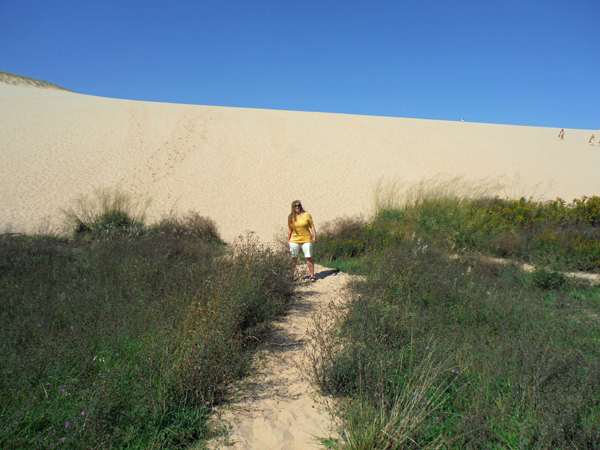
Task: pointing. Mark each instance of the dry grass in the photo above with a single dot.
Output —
(395, 422)
(191, 224)
(396, 194)
(88, 210)
(16, 80)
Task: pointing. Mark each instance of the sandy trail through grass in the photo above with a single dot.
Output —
(278, 407)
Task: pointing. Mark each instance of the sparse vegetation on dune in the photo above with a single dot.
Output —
(11, 78)
(439, 352)
(564, 236)
(125, 335)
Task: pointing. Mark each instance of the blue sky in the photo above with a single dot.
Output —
(520, 62)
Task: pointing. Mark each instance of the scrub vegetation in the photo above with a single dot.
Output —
(11, 78)
(125, 335)
(439, 346)
(117, 333)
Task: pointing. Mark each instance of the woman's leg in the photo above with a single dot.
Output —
(294, 251)
(307, 249)
(311, 266)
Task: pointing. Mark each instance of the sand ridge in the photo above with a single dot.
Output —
(56, 145)
(278, 407)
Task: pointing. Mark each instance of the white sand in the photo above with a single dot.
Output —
(243, 167)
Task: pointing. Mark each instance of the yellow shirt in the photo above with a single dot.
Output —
(303, 225)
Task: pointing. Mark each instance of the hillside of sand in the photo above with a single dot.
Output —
(243, 167)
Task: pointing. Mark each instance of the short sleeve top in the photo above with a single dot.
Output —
(302, 233)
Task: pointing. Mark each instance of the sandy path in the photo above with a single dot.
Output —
(279, 408)
(593, 278)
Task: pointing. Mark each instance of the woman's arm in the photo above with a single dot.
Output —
(314, 234)
(289, 235)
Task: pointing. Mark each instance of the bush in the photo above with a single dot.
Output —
(129, 341)
(509, 363)
(548, 279)
(342, 239)
(105, 213)
(548, 233)
(191, 225)
(343, 242)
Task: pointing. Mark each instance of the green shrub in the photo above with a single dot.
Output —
(521, 358)
(554, 232)
(187, 226)
(129, 341)
(548, 279)
(342, 239)
(105, 213)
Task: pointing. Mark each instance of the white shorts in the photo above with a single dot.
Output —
(307, 249)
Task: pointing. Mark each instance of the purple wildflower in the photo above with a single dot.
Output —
(67, 425)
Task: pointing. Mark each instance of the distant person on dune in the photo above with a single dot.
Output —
(561, 134)
(302, 234)
(592, 140)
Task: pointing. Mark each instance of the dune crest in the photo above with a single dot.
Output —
(18, 80)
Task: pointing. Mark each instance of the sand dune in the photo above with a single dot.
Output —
(243, 167)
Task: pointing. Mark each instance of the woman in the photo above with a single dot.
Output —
(302, 233)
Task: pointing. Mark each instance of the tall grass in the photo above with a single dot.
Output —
(126, 336)
(395, 194)
(508, 359)
(106, 211)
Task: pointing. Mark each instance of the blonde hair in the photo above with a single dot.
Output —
(293, 215)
